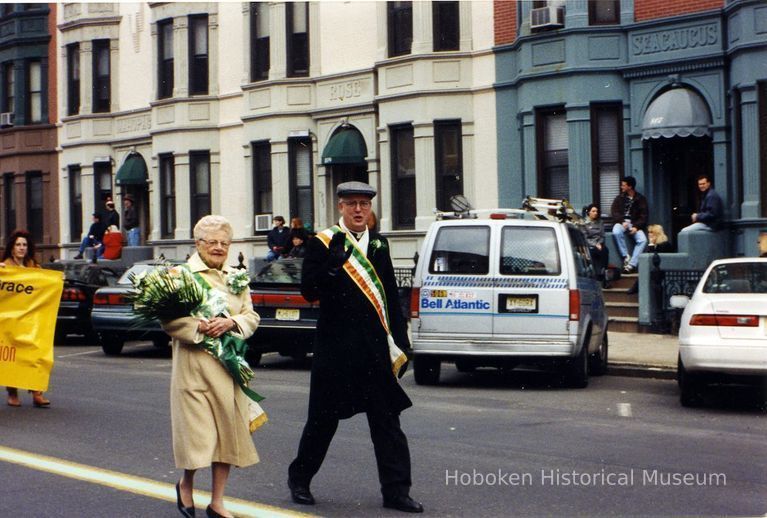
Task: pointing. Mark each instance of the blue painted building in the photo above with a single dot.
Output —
(586, 94)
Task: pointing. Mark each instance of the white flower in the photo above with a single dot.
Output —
(237, 281)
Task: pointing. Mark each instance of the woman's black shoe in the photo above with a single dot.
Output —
(212, 513)
(185, 511)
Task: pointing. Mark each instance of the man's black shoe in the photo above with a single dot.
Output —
(300, 493)
(403, 503)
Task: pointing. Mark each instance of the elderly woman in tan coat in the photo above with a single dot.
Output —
(209, 411)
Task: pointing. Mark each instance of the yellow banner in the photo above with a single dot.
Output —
(29, 303)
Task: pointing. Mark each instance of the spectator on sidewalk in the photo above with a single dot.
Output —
(111, 216)
(130, 220)
(629, 210)
(112, 243)
(657, 241)
(594, 231)
(94, 237)
(278, 240)
(711, 211)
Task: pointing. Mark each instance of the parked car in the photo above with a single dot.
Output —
(81, 280)
(723, 331)
(112, 317)
(288, 320)
(508, 288)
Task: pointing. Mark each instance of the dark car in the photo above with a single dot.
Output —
(112, 316)
(81, 280)
(288, 320)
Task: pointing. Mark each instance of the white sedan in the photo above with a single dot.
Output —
(723, 331)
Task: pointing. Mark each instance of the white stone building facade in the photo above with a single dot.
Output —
(247, 109)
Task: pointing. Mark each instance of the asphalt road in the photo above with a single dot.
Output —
(482, 444)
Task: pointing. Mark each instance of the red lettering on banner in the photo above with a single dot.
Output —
(7, 353)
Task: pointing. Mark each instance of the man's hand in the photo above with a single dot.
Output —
(337, 255)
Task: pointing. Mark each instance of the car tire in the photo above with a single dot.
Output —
(598, 361)
(465, 366)
(426, 369)
(690, 386)
(577, 369)
(253, 358)
(112, 345)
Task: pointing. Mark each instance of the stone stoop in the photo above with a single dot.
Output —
(622, 308)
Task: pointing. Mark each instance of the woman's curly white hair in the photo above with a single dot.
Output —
(212, 223)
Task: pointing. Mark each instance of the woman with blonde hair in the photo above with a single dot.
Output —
(657, 241)
(209, 412)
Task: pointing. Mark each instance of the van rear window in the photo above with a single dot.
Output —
(461, 250)
(529, 251)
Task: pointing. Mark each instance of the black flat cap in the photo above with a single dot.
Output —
(355, 188)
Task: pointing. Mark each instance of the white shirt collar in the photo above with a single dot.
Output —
(364, 239)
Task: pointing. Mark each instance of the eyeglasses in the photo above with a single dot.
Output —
(214, 243)
(364, 204)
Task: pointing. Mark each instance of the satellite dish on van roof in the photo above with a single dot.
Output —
(459, 203)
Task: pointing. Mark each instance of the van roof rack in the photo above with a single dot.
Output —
(552, 209)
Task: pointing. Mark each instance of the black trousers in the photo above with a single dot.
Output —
(389, 443)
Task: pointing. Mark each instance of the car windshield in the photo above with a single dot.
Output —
(87, 273)
(740, 277)
(282, 271)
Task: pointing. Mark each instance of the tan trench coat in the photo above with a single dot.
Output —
(209, 411)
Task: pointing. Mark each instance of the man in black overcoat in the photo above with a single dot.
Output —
(351, 367)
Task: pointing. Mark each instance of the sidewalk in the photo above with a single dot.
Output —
(642, 354)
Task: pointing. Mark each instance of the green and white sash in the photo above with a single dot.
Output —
(364, 275)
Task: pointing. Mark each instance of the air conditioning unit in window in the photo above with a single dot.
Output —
(263, 222)
(6, 119)
(549, 16)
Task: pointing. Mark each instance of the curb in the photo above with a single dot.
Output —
(635, 370)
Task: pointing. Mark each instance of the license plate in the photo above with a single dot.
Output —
(288, 314)
(521, 304)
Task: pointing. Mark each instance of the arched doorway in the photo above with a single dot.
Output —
(132, 178)
(678, 148)
(344, 157)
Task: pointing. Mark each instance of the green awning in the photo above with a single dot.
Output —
(132, 172)
(345, 147)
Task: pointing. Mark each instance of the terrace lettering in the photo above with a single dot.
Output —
(677, 39)
(13, 287)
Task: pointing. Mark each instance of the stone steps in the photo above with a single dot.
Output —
(622, 308)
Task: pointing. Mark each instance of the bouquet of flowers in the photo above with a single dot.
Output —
(165, 293)
(169, 292)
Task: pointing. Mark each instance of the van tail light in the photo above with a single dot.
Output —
(575, 305)
(724, 320)
(415, 294)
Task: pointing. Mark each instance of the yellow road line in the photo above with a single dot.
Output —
(133, 484)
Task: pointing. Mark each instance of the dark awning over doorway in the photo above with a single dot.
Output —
(677, 113)
(133, 171)
(345, 147)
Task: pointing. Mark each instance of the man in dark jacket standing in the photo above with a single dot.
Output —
(629, 210)
(358, 349)
(709, 216)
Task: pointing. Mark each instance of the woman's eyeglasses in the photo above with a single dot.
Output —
(214, 243)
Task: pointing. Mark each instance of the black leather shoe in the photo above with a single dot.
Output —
(211, 513)
(300, 493)
(403, 503)
(188, 512)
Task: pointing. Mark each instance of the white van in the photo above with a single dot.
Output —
(504, 290)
